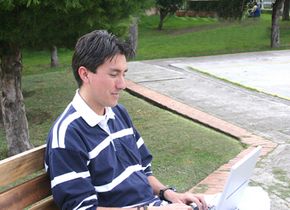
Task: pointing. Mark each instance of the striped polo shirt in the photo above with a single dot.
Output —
(97, 160)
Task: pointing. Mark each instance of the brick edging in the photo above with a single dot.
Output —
(215, 181)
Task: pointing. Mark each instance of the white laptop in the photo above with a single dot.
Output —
(236, 183)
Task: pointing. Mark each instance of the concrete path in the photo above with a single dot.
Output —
(265, 113)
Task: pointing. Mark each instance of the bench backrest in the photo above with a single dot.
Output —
(24, 183)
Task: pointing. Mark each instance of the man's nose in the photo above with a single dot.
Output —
(121, 84)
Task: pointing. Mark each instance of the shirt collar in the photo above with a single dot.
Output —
(91, 118)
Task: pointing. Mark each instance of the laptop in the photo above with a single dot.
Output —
(236, 183)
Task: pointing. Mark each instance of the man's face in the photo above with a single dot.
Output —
(102, 89)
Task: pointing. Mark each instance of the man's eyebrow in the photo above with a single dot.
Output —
(119, 70)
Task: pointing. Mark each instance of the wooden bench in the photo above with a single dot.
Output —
(24, 183)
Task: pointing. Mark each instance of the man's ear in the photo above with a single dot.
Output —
(83, 73)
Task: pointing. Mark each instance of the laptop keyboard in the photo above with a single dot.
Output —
(209, 208)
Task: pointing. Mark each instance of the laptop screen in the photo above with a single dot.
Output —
(238, 180)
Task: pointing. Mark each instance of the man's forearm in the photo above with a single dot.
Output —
(155, 184)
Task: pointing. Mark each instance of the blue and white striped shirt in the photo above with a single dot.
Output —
(97, 160)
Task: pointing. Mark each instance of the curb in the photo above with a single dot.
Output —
(215, 182)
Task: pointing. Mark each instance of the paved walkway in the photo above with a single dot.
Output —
(255, 117)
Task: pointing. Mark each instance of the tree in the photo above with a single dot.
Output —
(54, 57)
(133, 34)
(12, 104)
(286, 10)
(167, 7)
(42, 24)
(275, 30)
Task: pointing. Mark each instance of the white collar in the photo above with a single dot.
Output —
(91, 118)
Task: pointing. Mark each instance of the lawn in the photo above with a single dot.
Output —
(185, 152)
(205, 36)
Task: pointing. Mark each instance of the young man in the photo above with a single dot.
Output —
(95, 157)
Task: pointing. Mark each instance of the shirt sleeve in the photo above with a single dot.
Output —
(70, 178)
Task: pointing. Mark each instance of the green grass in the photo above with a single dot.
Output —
(148, 23)
(205, 36)
(38, 62)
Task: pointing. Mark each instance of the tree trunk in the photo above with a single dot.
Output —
(13, 108)
(275, 30)
(162, 15)
(243, 4)
(54, 57)
(286, 10)
(133, 34)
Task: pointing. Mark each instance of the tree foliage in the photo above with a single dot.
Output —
(167, 7)
(203, 5)
(43, 24)
(35, 23)
(231, 9)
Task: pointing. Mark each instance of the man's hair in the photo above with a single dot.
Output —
(95, 48)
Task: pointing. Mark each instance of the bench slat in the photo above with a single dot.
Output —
(21, 165)
(47, 204)
(26, 193)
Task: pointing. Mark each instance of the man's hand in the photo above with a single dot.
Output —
(186, 198)
(177, 198)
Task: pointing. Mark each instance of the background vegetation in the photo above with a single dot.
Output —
(183, 37)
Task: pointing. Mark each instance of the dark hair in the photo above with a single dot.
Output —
(94, 48)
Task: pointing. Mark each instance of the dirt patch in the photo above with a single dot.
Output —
(27, 94)
(37, 116)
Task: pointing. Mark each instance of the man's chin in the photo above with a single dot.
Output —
(113, 104)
